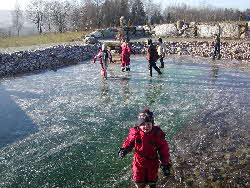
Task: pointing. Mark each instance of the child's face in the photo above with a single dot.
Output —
(146, 127)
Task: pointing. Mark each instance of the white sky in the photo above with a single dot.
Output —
(240, 4)
(10, 4)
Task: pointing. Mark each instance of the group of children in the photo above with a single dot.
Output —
(151, 150)
(146, 140)
(153, 54)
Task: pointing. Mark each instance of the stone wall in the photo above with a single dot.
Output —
(207, 31)
(180, 29)
(229, 30)
(165, 30)
(232, 50)
(49, 58)
(226, 30)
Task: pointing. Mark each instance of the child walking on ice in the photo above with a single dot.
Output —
(151, 150)
(104, 56)
(125, 55)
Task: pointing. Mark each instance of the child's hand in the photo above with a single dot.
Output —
(121, 153)
(166, 169)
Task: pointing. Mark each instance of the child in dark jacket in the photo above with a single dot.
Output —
(152, 57)
(216, 46)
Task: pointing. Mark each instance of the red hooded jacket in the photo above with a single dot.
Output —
(126, 51)
(149, 147)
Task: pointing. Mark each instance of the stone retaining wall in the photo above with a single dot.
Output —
(49, 58)
(232, 50)
(229, 30)
(165, 30)
(207, 31)
(181, 29)
(226, 30)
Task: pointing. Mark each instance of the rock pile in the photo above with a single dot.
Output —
(166, 30)
(49, 58)
(232, 50)
(204, 30)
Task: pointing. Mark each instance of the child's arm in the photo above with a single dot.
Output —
(110, 57)
(129, 143)
(148, 54)
(97, 55)
(163, 148)
(129, 49)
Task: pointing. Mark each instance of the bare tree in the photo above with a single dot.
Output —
(204, 13)
(60, 14)
(17, 18)
(124, 8)
(75, 16)
(97, 19)
(107, 15)
(70, 15)
(48, 16)
(35, 13)
(153, 12)
(90, 14)
(120, 8)
(138, 15)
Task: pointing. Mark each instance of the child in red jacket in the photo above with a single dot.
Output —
(104, 55)
(151, 150)
(125, 55)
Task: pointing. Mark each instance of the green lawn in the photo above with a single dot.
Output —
(40, 39)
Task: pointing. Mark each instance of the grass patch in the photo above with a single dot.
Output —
(41, 39)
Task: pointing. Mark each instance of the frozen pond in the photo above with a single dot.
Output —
(64, 128)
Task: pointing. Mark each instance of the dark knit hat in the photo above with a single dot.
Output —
(145, 116)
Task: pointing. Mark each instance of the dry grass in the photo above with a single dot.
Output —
(40, 39)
